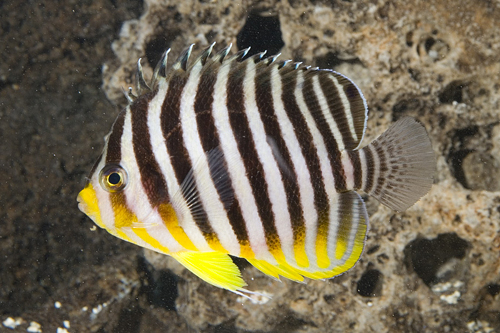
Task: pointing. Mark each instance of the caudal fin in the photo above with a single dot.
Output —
(398, 167)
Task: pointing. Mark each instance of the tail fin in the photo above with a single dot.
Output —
(398, 167)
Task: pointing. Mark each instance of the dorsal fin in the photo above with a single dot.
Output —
(335, 103)
(160, 69)
(202, 58)
(141, 85)
(222, 53)
(181, 62)
(338, 103)
(270, 60)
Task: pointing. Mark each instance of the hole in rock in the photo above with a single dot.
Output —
(225, 327)
(493, 289)
(155, 48)
(470, 160)
(370, 283)
(405, 107)
(453, 92)
(436, 260)
(261, 33)
(161, 286)
(129, 319)
(334, 59)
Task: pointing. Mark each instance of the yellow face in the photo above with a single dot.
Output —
(103, 198)
(112, 179)
(87, 203)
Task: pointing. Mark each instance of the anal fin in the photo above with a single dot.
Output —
(276, 270)
(213, 267)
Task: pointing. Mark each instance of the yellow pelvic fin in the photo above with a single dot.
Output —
(213, 267)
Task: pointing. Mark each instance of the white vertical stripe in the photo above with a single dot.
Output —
(354, 212)
(327, 114)
(364, 167)
(272, 175)
(106, 208)
(346, 104)
(348, 167)
(324, 161)
(163, 158)
(357, 214)
(208, 195)
(136, 198)
(241, 185)
(376, 167)
(299, 163)
(103, 196)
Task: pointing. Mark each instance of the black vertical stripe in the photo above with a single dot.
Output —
(94, 168)
(356, 166)
(322, 125)
(210, 140)
(304, 137)
(382, 167)
(114, 151)
(172, 133)
(152, 179)
(246, 147)
(357, 105)
(370, 169)
(264, 101)
(345, 220)
(337, 109)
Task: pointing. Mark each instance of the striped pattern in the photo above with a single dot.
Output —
(254, 158)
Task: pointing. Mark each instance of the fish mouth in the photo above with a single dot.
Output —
(82, 206)
(87, 203)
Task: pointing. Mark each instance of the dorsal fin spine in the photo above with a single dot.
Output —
(140, 82)
(160, 69)
(222, 53)
(129, 95)
(272, 59)
(202, 58)
(181, 62)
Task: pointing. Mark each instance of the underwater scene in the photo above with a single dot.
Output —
(250, 166)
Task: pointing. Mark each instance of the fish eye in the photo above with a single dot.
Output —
(113, 178)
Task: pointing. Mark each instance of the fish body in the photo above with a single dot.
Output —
(254, 158)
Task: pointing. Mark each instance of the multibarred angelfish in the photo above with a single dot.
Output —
(254, 158)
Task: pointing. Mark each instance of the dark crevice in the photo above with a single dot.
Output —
(261, 33)
(160, 287)
(155, 48)
(456, 158)
(459, 151)
(129, 319)
(426, 256)
(334, 59)
(290, 323)
(226, 327)
(453, 92)
(370, 283)
(493, 289)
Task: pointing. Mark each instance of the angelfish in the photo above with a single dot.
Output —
(255, 158)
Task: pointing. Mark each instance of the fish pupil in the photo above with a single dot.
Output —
(114, 178)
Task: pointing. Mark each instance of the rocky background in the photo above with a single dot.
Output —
(433, 268)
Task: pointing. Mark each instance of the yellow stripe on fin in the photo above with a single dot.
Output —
(352, 212)
(213, 267)
(275, 271)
